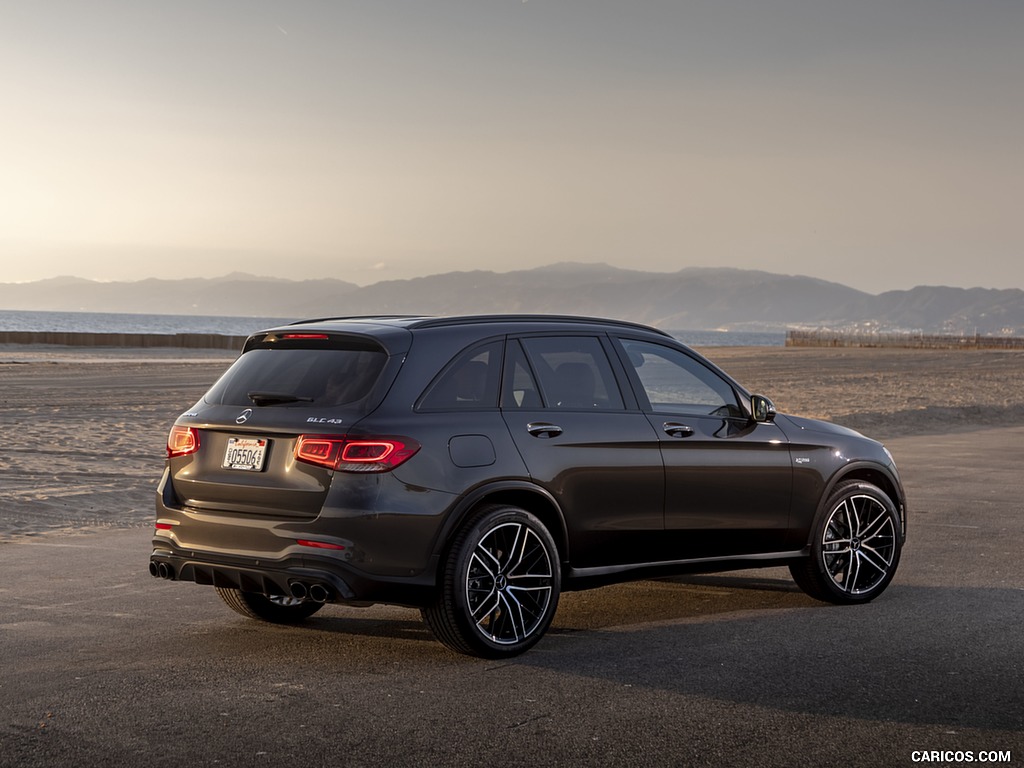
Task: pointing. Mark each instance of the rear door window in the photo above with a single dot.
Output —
(573, 373)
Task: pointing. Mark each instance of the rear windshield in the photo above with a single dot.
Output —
(299, 377)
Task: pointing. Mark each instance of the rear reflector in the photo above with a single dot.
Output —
(164, 526)
(363, 454)
(182, 441)
(318, 544)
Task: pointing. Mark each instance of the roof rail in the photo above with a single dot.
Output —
(427, 321)
(438, 322)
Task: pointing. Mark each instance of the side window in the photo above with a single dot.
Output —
(574, 373)
(470, 381)
(674, 382)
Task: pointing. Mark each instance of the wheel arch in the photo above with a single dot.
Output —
(870, 473)
(524, 495)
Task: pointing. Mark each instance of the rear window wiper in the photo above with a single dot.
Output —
(277, 398)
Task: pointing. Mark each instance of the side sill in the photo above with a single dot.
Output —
(585, 578)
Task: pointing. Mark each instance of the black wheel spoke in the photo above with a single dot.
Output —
(880, 522)
(516, 622)
(487, 560)
(875, 560)
(850, 583)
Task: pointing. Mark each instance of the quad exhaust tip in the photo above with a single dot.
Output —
(160, 570)
(318, 593)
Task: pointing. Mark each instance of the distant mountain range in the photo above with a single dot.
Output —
(692, 299)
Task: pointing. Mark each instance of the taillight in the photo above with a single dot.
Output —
(362, 454)
(182, 441)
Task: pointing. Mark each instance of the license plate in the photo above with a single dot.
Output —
(245, 453)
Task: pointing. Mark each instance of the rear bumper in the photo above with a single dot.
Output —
(371, 544)
(320, 578)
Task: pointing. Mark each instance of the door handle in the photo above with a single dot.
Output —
(543, 430)
(674, 429)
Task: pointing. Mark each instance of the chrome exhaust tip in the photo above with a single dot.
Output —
(319, 593)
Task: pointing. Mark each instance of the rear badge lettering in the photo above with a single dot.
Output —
(323, 420)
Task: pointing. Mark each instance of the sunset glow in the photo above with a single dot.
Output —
(874, 144)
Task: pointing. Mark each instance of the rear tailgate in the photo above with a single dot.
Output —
(281, 486)
(283, 386)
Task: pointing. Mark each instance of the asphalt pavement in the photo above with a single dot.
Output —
(102, 665)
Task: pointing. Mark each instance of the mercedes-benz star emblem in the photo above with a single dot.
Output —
(244, 416)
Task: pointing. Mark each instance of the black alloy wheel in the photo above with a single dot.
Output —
(856, 546)
(501, 584)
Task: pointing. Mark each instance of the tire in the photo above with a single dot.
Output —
(499, 585)
(855, 548)
(278, 609)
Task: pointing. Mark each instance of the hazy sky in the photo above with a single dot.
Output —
(876, 143)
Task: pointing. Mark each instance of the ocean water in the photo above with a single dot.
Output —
(116, 322)
(111, 322)
(731, 338)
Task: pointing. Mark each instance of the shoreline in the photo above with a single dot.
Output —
(125, 340)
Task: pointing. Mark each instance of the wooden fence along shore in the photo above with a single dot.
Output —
(75, 339)
(899, 340)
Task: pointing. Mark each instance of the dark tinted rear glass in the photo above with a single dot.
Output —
(314, 377)
(469, 382)
(574, 372)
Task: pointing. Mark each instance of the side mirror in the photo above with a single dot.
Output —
(763, 409)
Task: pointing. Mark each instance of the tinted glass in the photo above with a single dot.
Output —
(674, 382)
(317, 377)
(520, 390)
(574, 372)
(469, 381)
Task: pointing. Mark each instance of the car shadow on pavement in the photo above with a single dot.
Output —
(917, 655)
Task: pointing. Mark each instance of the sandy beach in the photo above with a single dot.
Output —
(85, 429)
(85, 432)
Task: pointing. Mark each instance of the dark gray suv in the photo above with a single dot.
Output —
(475, 467)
